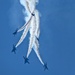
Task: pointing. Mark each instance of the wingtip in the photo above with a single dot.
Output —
(24, 57)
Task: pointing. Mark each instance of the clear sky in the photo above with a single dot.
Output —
(57, 38)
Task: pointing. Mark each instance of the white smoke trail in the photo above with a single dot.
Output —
(32, 34)
(37, 32)
(32, 24)
(23, 27)
(24, 3)
(27, 19)
(23, 35)
(29, 8)
(36, 49)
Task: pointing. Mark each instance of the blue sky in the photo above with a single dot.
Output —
(57, 38)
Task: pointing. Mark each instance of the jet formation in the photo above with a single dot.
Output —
(31, 25)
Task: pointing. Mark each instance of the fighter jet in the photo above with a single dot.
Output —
(38, 39)
(45, 66)
(26, 60)
(33, 14)
(14, 49)
(15, 32)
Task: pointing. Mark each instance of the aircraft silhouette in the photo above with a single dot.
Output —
(26, 60)
(45, 66)
(14, 49)
(33, 14)
(38, 39)
(14, 33)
